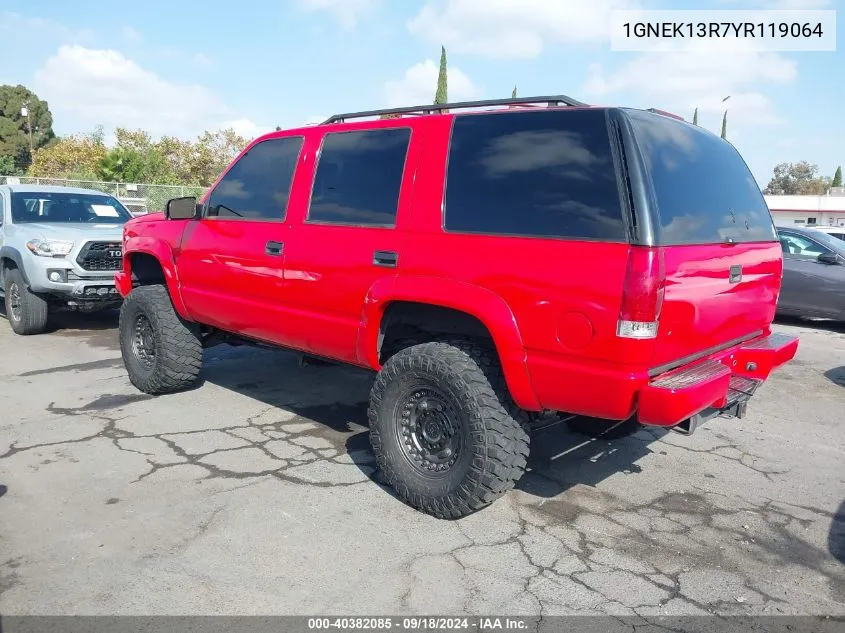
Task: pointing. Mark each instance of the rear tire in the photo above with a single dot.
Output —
(27, 311)
(160, 351)
(444, 430)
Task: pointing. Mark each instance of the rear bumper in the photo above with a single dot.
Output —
(718, 383)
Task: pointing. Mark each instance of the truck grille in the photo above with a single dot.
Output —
(100, 256)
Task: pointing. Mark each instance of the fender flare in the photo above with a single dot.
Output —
(161, 251)
(483, 304)
(9, 252)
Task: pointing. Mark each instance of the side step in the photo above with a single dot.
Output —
(680, 394)
(740, 391)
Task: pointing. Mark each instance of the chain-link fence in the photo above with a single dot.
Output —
(139, 198)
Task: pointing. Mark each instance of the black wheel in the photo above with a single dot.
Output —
(27, 311)
(606, 429)
(161, 352)
(444, 430)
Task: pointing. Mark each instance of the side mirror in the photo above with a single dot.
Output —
(181, 208)
(829, 258)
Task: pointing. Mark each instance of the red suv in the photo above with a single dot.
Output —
(491, 261)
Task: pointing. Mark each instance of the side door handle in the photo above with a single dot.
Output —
(274, 248)
(388, 259)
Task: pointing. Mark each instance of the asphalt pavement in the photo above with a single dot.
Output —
(256, 493)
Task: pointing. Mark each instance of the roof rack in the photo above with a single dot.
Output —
(550, 101)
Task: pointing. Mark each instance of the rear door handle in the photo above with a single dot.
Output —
(388, 259)
(274, 248)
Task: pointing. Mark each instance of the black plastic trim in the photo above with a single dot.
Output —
(553, 100)
(15, 255)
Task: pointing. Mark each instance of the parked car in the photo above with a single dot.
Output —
(834, 231)
(813, 274)
(59, 248)
(490, 266)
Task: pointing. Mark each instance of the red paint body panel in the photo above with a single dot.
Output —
(702, 309)
(551, 305)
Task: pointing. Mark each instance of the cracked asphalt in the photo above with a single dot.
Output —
(256, 493)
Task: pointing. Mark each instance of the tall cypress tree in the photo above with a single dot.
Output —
(513, 94)
(725, 125)
(442, 94)
(837, 178)
(695, 117)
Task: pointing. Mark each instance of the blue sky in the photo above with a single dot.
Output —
(178, 67)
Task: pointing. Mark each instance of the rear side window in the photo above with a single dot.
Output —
(705, 192)
(258, 185)
(358, 177)
(534, 174)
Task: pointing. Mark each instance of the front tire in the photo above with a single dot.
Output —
(160, 351)
(27, 311)
(444, 430)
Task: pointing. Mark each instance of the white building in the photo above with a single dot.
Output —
(828, 210)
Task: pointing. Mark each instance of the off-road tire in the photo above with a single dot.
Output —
(494, 452)
(30, 315)
(604, 429)
(177, 357)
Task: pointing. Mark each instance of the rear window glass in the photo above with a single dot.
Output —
(537, 174)
(705, 192)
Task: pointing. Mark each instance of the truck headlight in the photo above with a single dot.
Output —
(49, 248)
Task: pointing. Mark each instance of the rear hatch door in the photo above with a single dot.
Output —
(722, 260)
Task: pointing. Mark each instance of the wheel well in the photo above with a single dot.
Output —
(146, 270)
(6, 263)
(405, 321)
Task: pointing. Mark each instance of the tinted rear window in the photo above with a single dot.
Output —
(540, 173)
(705, 192)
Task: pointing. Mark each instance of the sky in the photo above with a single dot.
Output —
(179, 67)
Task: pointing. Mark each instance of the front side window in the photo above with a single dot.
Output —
(540, 174)
(258, 185)
(801, 247)
(359, 176)
(67, 208)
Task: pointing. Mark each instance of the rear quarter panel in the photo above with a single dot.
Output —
(563, 296)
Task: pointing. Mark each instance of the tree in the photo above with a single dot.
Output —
(837, 178)
(796, 179)
(513, 94)
(201, 162)
(137, 158)
(17, 131)
(725, 125)
(390, 115)
(75, 157)
(8, 167)
(122, 165)
(695, 117)
(442, 94)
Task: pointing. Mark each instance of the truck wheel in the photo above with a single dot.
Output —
(444, 430)
(160, 351)
(26, 310)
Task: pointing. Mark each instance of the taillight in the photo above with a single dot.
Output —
(642, 295)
